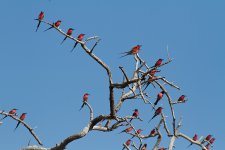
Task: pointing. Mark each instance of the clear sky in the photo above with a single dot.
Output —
(41, 77)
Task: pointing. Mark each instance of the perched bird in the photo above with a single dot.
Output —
(195, 138)
(127, 144)
(135, 114)
(211, 141)
(127, 130)
(22, 117)
(11, 112)
(40, 18)
(85, 99)
(69, 33)
(138, 132)
(181, 99)
(56, 25)
(80, 38)
(159, 97)
(158, 62)
(144, 147)
(157, 112)
(133, 51)
(153, 132)
(153, 71)
(208, 137)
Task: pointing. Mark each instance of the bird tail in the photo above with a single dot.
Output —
(74, 46)
(64, 40)
(17, 126)
(125, 54)
(3, 118)
(48, 28)
(82, 106)
(189, 145)
(156, 102)
(38, 25)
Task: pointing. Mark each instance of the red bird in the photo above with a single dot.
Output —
(127, 144)
(40, 18)
(181, 99)
(80, 38)
(22, 117)
(133, 51)
(69, 33)
(153, 71)
(208, 137)
(211, 141)
(138, 132)
(135, 114)
(11, 112)
(158, 62)
(144, 147)
(56, 25)
(127, 130)
(159, 97)
(153, 132)
(157, 112)
(195, 138)
(85, 99)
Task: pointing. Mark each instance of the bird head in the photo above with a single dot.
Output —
(86, 94)
(135, 109)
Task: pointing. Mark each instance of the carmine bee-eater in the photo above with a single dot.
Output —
(40, 18)
(195, 138)
(133, 51)
(211, 141)
(56, 25)
(144, 147)
(158, 62)
(159, 97)
(208, 137)
(80, 38)
(69, 33)
(22, 117)
(85, 99)
(153, 132)
(158, 111)
(127, 144)
(127, 130)
(153, 71)
(11, 112)
(135, 114)
(138, 132)
(181, 99)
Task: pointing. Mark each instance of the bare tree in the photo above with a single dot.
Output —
(131, 87)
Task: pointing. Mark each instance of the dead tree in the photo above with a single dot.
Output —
(131, 87)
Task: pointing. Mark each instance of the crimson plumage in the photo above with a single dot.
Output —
(85, 99)
(80, 38)
(40, 18)
(22, 117)
(69, 33)
(133, 51)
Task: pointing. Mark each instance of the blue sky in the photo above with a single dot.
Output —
(41, 77)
